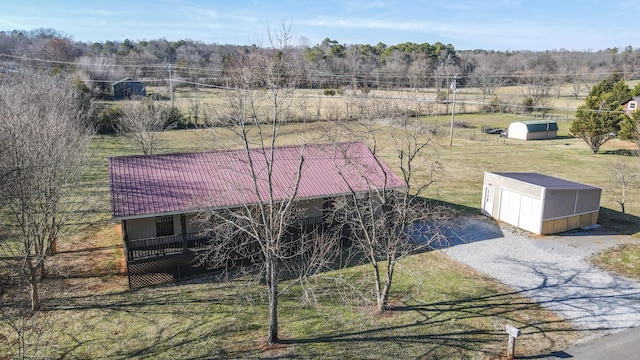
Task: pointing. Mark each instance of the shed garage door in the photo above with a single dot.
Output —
(520, 210)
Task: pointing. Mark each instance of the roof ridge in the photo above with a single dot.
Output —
(232, 150)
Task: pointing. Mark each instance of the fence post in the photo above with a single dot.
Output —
(183, 223)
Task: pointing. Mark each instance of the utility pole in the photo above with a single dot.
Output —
(453, 108)
(170, 86)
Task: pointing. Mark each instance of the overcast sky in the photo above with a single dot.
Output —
(466, 24)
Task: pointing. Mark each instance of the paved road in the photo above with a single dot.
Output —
(554, 271)
(621, 346)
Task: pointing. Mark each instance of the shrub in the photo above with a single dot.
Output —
(176, 119)
(329, 92)
(493, 106)
(105, 117)
(527, 105)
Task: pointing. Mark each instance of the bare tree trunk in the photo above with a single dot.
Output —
(387, 285)
(43, 270)
(32, 276)
(378, 281)
(272, 283)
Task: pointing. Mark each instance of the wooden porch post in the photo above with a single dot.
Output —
(183, 223)
(125, 238)
(125, 241)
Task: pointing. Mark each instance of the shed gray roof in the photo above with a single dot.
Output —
(546, 181)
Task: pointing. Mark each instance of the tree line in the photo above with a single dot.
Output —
(329, 64)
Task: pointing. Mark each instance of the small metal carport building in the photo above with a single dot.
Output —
(539, 203)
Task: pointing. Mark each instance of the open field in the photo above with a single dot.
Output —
(442, 309)
(314, 105)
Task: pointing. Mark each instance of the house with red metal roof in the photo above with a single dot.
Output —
(156, 197)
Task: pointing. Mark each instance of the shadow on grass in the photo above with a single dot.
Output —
(562, 137)
(90, 249)
(619, 152)
(616, 221)
(427, 330)
(448, 324)
(549, 356)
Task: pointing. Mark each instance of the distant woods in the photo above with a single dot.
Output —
(327, 65)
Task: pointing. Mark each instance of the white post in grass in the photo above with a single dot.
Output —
(511, 345)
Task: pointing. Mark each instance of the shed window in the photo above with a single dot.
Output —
(632, 105)
(164, 225)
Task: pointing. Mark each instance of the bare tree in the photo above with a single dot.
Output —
(624, 177)
(45, 149)
(264, 237)
(488, 74)
(143, 121)
(390, 222)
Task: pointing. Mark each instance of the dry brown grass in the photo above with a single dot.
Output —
(90, 261)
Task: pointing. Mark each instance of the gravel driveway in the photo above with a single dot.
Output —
(552, 270)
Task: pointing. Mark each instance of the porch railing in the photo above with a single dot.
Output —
(164, 245)
(311, 221)
(174, 244)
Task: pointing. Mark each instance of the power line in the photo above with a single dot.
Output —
(380, 72)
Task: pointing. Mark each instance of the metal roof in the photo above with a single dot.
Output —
(540, 125)
(634, 98)
(546, 181)
(186, 182)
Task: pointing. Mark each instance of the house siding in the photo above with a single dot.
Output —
(141, 228)
(145, 228)
(626, 105)
(311, 208)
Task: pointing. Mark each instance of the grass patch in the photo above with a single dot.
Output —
(624, 260)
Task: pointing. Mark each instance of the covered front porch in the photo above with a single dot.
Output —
(164, 245)
(162, 235)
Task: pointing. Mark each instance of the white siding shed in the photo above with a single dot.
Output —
(533, 130)
(539, 203)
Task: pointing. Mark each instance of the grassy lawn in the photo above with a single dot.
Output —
(441, 308)
(624, 260)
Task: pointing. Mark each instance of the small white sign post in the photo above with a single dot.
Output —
(511, 346)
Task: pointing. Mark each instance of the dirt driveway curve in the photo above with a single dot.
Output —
(553, 270)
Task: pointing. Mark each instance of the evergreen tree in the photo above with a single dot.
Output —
(599, 118)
